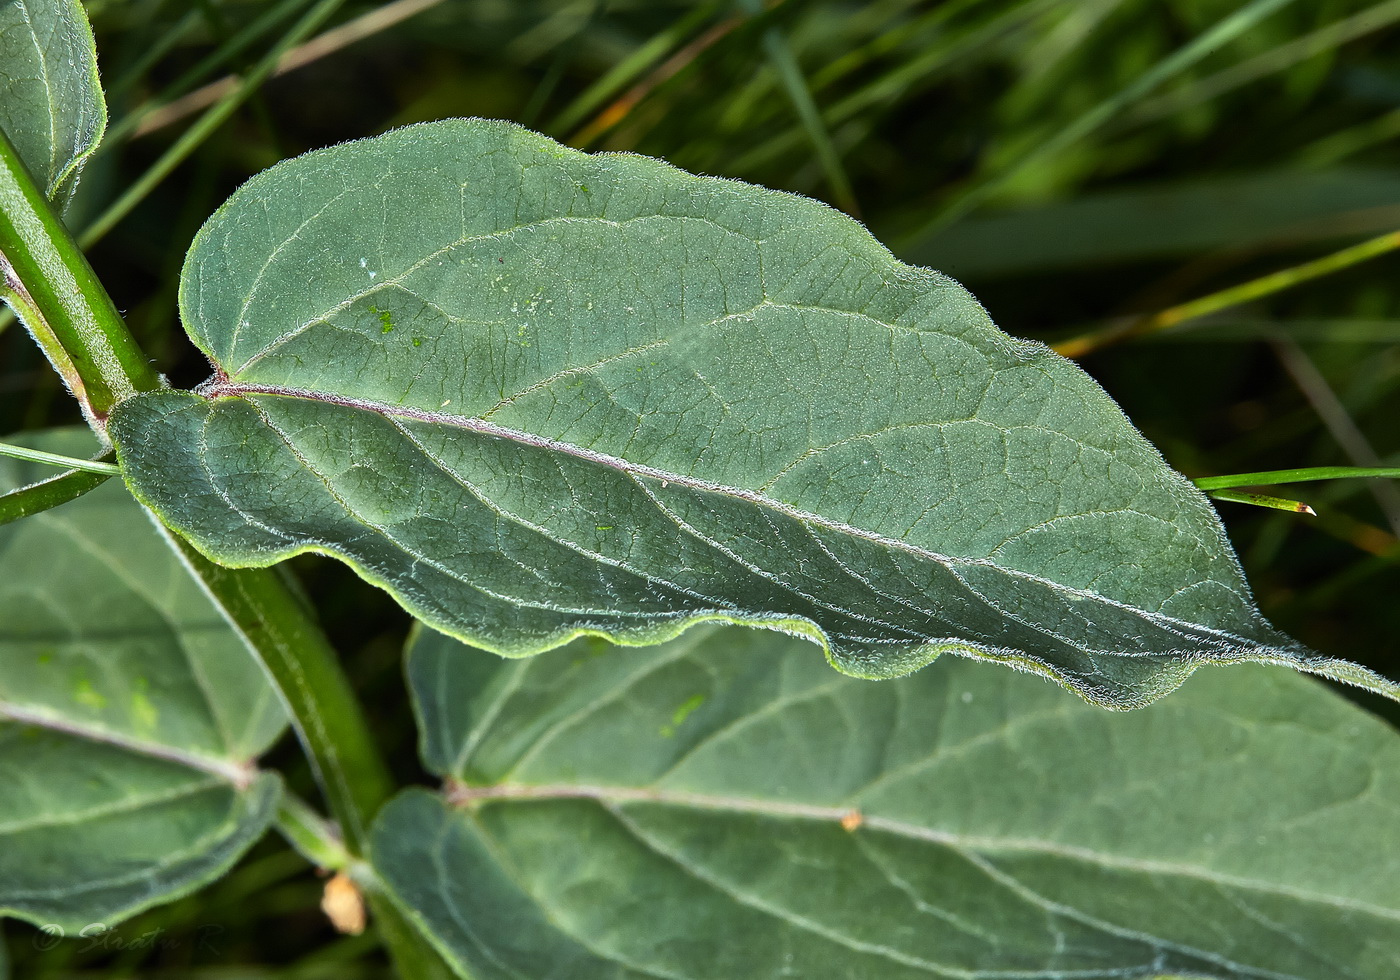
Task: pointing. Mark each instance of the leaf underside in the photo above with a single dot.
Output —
(538, 394)
(723, 807)
(130, 715)
(51, 103)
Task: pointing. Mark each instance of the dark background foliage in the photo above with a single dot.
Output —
(957, 131)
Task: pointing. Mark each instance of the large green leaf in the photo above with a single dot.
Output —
(130, 715)
(678, 812)
(537, 394)
(51, 103)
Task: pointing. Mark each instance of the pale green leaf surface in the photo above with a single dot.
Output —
(130, 714)
(537, 394)
(51, 103)
(676, 813)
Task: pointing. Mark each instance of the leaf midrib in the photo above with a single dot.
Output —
(240, 776)
(220, 388)
(463, 796)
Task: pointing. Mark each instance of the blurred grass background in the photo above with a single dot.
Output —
(1073, 162)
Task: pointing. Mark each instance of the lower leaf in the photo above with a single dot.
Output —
(131, 715)
(720, 806)
(94, 835)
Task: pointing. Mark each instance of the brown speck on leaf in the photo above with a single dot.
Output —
(344, 905)
(852, 820)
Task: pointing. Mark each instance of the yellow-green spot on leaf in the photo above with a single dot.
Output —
(605, 527)
(417, 341)
(88, 696)
(683, 712)
(46, 655)
(386, 319)
(144, 711)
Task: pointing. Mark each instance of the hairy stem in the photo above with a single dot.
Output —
(301, 664)
(51, 286)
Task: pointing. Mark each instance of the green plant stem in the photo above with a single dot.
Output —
(1233, 296)
(47, 494)
(54, 459)
(315, 839)
(1267, 478)
(303, 667)
(53, 289)
(331, 726)
(310, 834)
(212, 119)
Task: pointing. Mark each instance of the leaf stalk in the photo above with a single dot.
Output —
(47, 494)
(54, 459)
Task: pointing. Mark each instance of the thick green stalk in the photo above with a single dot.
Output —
(83, 334)
(332, 727)
(310, 834)
(303, 667)
(316, 840)
(48, 281)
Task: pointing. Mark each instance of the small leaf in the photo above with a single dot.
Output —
(644, 399)
(962, 822)
(130, 715)
(51, 103)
